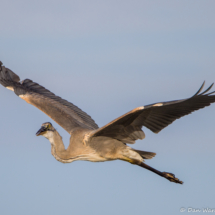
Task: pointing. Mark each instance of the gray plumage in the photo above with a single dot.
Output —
(88, 141)
(69, 116)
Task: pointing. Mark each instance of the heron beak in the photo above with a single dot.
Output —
(41, 131)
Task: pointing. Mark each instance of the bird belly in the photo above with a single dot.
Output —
(95, 158)
(87, 157)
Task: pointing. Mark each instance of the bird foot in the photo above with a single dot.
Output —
(171, 177)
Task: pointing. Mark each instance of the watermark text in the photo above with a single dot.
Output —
(197, 210)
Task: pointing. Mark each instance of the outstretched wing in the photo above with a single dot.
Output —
(155, 117)
(61, 111)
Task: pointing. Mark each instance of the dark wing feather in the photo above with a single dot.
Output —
(155, 116)
(63, 112)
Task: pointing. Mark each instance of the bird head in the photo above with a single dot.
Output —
(45, 129)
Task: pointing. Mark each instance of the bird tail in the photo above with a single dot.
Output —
(144, 154)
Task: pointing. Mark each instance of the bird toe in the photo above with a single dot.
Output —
(171, 177)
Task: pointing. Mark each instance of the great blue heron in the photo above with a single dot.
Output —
(91, 143)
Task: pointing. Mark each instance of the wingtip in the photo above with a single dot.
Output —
(204, 92)
(203, 84)
(207, 89)
(200, 89)
(7, 76)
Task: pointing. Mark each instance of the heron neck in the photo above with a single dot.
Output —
(56, 142)
(58, 150)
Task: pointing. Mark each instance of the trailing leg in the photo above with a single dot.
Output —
(167, 175)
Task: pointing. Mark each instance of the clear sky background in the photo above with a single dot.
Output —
(107, 57)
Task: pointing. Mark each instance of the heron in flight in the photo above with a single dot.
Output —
(91, 143)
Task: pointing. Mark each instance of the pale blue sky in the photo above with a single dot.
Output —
(107, 57)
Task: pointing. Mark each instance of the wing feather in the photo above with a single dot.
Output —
(63, 112)
(157, 116)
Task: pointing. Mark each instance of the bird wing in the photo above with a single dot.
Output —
(61, 111)
(155, 117)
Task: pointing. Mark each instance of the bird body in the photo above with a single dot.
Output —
(99, 150)
(107, 143)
